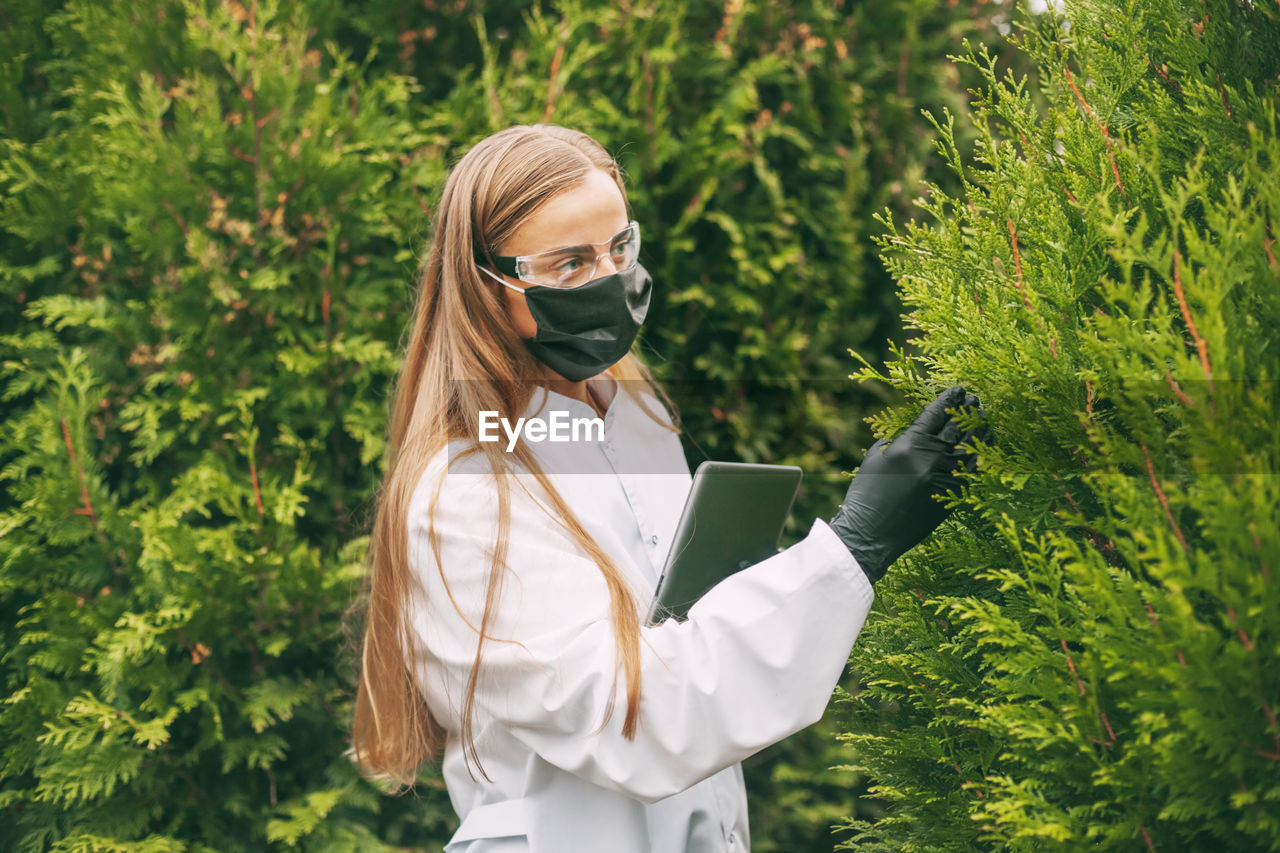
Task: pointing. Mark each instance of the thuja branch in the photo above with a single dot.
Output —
(1106, 137)
(1022, 287)
(87, 505)
(257, 493)
(1017, 269)
(1202, 346)
(552, 82)
(1164, 501)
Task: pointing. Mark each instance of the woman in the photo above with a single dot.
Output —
(504, 609)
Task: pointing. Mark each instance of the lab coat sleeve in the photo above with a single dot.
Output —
(756, 660)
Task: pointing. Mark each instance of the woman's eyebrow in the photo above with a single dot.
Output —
(582, 247)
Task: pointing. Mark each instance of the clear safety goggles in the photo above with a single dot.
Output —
(573, 265)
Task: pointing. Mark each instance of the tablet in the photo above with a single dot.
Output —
(732, 519)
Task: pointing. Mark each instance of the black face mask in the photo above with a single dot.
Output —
(584, 330)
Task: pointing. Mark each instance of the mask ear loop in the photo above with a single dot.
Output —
(500, 280)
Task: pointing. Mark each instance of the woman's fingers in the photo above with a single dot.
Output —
(950, 432)
(935, 416)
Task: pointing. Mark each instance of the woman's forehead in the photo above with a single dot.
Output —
(592, 212)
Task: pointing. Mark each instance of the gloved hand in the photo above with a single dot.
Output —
(890, 504)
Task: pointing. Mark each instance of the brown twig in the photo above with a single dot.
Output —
(257, 494)
(731, 8)
(1177, 389)
(1244, 638)
(1223, 93)
(177, 217)
(1111, 735)
(1022, 287)
(1071, 665)
(262, 122)
(1071, 500)
(87, 508)
(1164, 501)
(1164, 75)
(1102, 715)
(1017, 268)
(1202, 346)
(555, 72)
(1106, 547)
(1106, 137)
(1257, 546)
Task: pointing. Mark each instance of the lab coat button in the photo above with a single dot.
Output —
(653, 540)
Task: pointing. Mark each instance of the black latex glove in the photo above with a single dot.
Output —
(890, 504)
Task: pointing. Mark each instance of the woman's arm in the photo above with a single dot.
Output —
(756, 661)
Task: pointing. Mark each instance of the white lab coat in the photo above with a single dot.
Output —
(756, 661)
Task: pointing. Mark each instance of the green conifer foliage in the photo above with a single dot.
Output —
(1089, 656)
(207, 242)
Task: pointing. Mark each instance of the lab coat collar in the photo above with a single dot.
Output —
(544, 399)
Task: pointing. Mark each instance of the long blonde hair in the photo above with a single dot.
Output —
(461, 330)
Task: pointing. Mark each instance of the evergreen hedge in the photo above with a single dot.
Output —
(205, 238)
(1089, 656)
(210, 219)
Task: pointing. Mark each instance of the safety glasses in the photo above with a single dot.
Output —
(573, 266)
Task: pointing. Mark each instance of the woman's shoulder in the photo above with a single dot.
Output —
(457, 502)
(457, 466)
(652, 404)
(466, 478)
